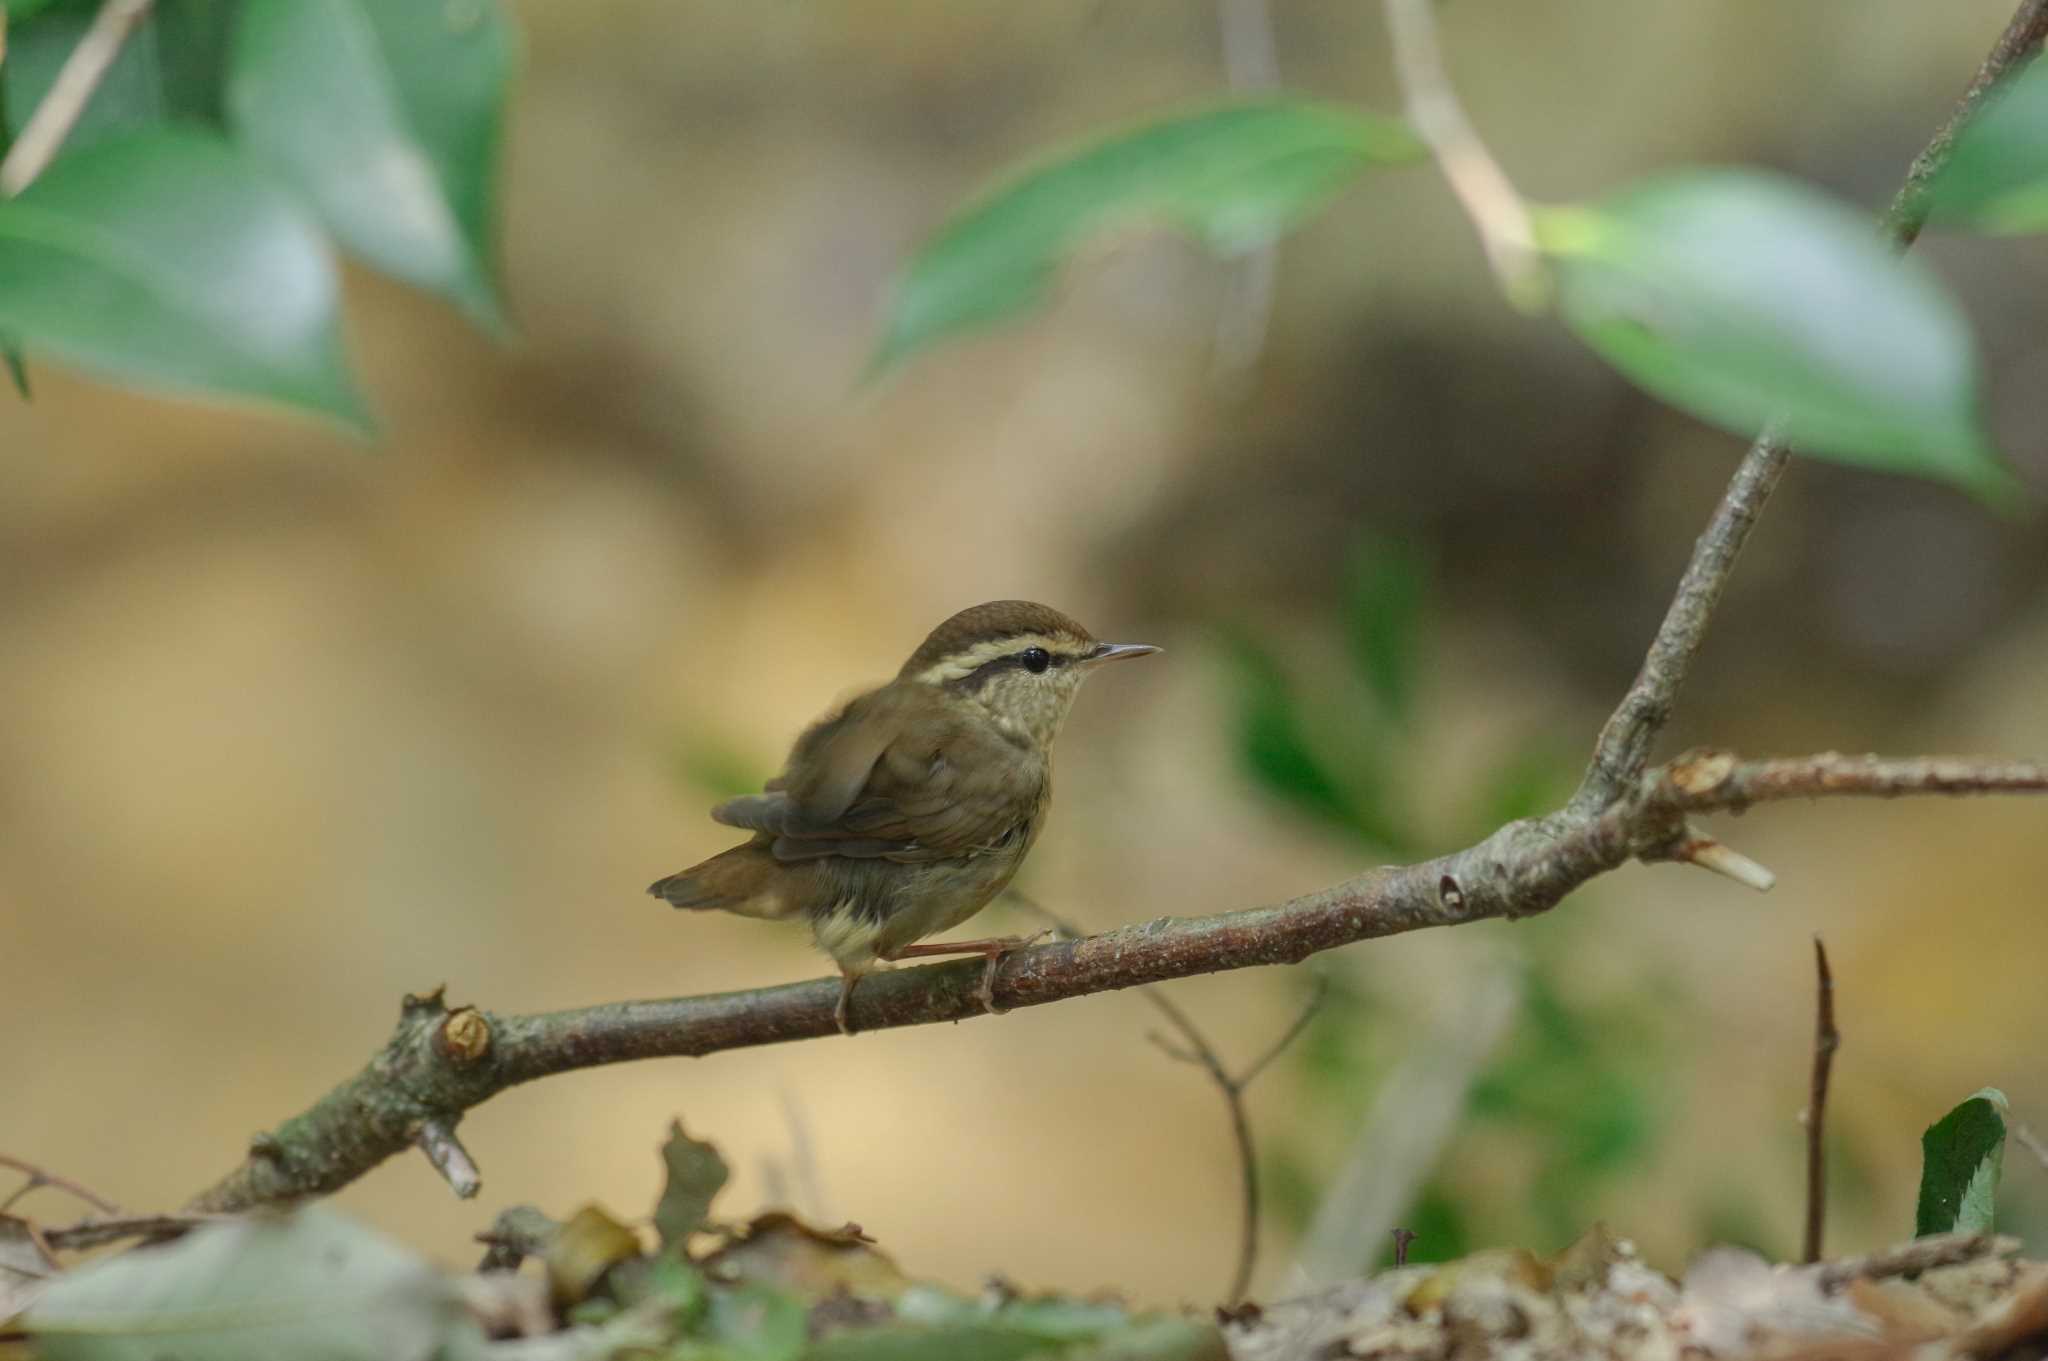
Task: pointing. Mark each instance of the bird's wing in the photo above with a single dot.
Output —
(825, 773)
(892, 778)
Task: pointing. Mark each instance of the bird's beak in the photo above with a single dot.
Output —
(1109, 652)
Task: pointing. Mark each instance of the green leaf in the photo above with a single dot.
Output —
(387, 116)
(169, 69)
(1383, 616)
(1996, 178)
(1961, 1155)
(934, 1325)
(163, 260)
(1271, 745)
(17, 10)
(312, 1284)
(1235, 175)
(746, 1323)
(1750, 300)
(695, 1174)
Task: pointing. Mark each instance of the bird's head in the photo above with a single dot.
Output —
(1021, 661)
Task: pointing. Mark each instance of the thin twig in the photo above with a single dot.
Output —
(39, 1176)
(1251, 62)
(1623, 750)
(1202, 1054)
(1522, 869)
(1918, 1255)
(93, 1233)
(1402, 1238)
(2031, 1142)
(1482, 187)
(803, 1156)
(73, 89)
(1826, 1039)
(1287, 1037)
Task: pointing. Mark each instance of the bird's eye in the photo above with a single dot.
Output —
(1035, 659)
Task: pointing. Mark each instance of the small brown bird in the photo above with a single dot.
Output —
(908, 810)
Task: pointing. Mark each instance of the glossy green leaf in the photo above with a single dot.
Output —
(387, 116)
(1235, 175)
(311, 1284)
(696, 1172)
(163, 260)
(1750, 300)
(17, 10)
(1961, 1156)
(1996, 178)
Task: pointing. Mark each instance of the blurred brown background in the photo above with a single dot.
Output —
(290, 726)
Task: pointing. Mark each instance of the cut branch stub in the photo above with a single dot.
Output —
(417, 1086)
(464, 1036)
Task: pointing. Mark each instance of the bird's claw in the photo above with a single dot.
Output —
(986, 993)
(842, 1012)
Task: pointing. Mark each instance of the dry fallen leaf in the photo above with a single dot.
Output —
(24, 1266)
(590, 1244)
(811, 1264)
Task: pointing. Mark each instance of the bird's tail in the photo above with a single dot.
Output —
(746, 880)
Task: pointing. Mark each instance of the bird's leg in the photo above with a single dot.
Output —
(841, 1012)
(990, 948)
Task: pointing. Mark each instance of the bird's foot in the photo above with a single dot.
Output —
(1004, 945)
(842, 1012)
(993, 949)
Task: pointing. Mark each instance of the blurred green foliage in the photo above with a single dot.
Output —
(1576, 1085)
(312, 1283)
(1997, 178)
(179, 239)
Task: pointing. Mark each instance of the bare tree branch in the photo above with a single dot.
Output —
(1625, 742)
(1624, 745)
(1826, 1039)
(73, 89)
(1524, 868)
